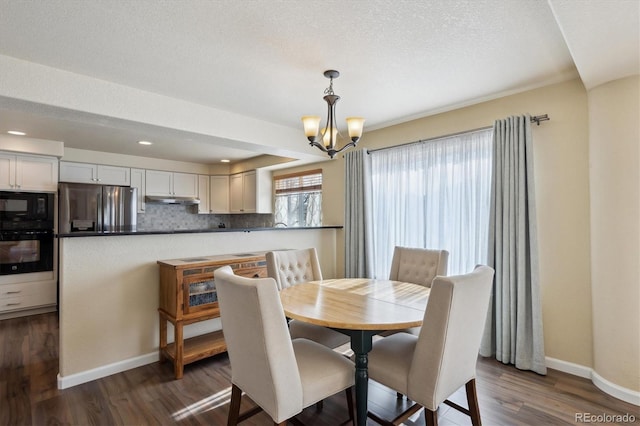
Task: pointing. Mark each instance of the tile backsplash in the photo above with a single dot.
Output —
(169, 217)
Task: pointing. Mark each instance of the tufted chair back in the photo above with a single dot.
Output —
(418, 265)
(289, 267)
(282, 376)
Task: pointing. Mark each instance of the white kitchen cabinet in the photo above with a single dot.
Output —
(28, 172)
(236, 204)
(138, 181)
(171, 184)
(94, 173)
(219, 194)
(27, 295)
(250, 192)
(203, 194)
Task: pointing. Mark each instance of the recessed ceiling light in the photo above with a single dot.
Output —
(16, 132)
(225, 161)
(145, 143)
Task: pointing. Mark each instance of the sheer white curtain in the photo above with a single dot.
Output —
(433, 194)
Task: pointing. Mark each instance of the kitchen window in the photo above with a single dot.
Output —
(298, 200)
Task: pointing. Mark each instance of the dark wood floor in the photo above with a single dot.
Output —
(150, 396)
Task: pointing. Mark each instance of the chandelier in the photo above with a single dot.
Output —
(326, 138)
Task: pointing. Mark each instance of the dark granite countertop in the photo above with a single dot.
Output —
(189, 231)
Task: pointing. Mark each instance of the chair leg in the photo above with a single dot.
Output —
(234, 407)
(472, 400)
(349, 395)
(431, 417)
(399, 395)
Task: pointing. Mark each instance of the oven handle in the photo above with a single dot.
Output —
(34, 233)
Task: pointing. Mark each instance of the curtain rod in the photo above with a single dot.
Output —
(538, 118)
(535, 119)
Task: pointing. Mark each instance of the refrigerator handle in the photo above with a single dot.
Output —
(99, 213)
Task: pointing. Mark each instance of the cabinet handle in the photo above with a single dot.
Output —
(14, 292)
(12, 304)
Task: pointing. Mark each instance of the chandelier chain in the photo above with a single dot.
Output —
(329, 90)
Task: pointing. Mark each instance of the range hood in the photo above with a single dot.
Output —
(167, 199)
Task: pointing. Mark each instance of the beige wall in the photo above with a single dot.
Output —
(332, 199)
(562, 190)
(614, 114)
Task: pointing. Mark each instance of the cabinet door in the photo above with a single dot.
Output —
(264, 191)
(37, 173)
(113, 175)
(185, 185)
(249, 192)
(199, 293)
(7, 171)
(138, 181)
(219, 194)
(159, 182)
(235, 193)
(203, 194)
(78, 172)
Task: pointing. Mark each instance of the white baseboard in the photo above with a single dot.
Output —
(616, 391)
(106, 370)
(569, 367)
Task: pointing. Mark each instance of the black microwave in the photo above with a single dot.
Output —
(26, 210)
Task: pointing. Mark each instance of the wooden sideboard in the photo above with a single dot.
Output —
(188, 295)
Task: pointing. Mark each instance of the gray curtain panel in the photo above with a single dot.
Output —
(514, 325)
(357, 215)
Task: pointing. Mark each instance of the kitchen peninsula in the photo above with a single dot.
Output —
(109, 286)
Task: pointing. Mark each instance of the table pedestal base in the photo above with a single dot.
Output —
(361, 343)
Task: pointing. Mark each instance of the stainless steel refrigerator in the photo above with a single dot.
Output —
(96, 208)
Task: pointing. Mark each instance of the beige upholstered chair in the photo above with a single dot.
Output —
(290, 267)
(282, 376)
(418, 265)
(432, 366)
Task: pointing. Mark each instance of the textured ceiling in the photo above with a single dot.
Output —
(212, 79)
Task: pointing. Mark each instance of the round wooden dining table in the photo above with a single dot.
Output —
(359, 308)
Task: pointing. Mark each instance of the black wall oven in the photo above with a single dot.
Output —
(26, 232)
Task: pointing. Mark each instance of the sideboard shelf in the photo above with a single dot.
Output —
(188, 295)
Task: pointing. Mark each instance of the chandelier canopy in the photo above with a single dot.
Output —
(326, 138)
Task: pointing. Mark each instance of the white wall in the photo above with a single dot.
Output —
(109, 289)
(31, 145)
